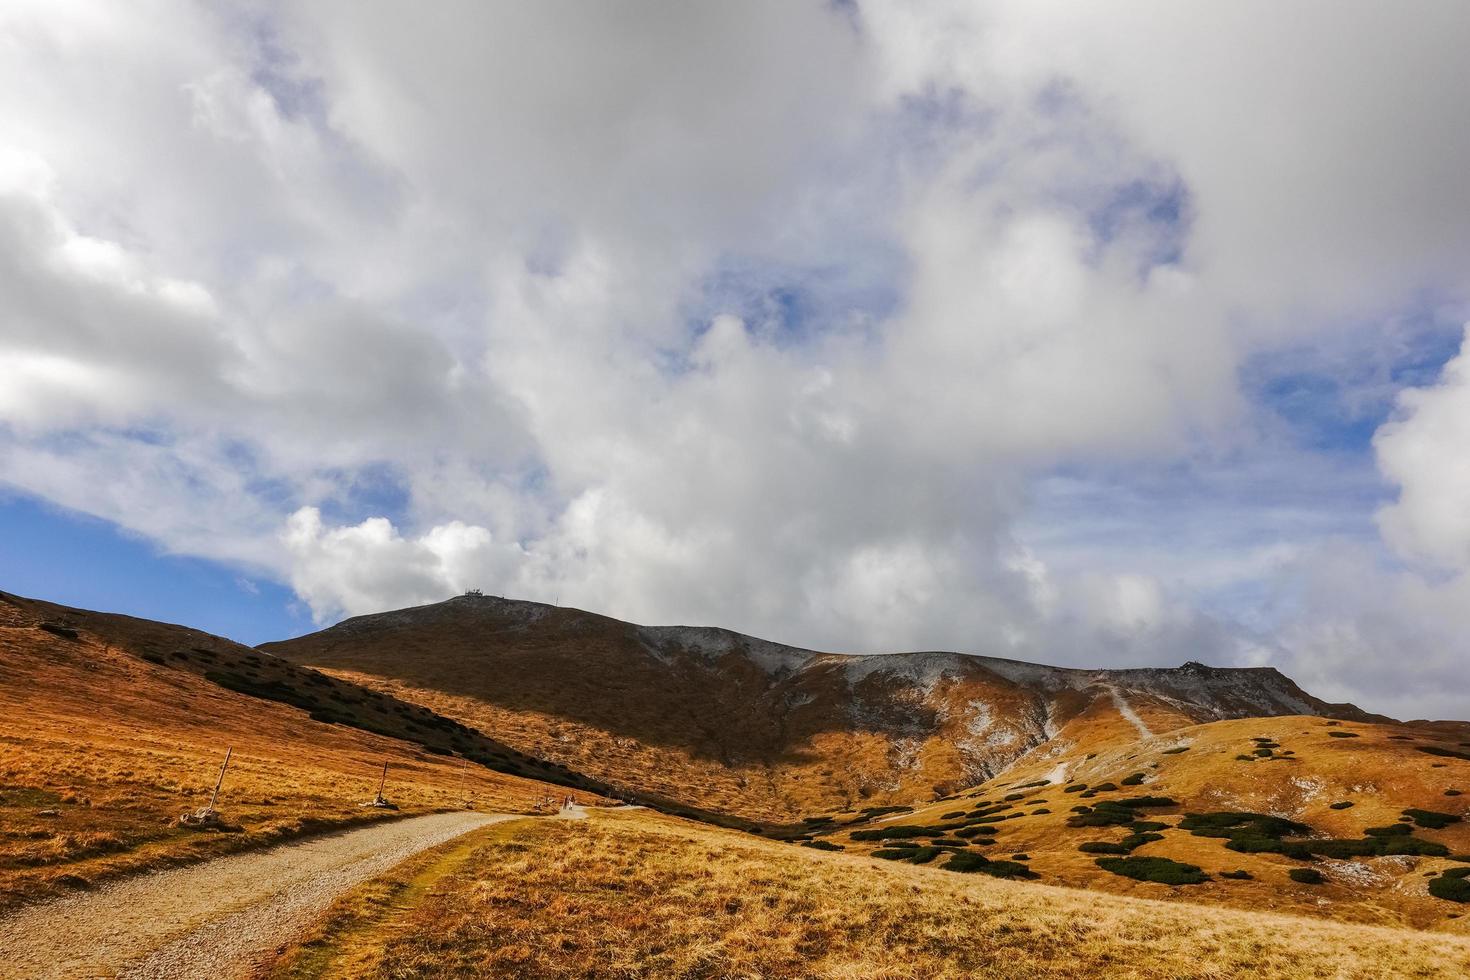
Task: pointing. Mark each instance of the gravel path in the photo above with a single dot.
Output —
(220, 919)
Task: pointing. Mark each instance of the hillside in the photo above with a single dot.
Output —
(110, 727)
(754, 728)
(635, 894)
(1380, 811)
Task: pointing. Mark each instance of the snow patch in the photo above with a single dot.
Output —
(712, 643)
(1126, 710)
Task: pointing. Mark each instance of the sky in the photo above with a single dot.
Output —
(1095, 335)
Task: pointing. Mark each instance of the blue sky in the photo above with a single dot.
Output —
(75, 560)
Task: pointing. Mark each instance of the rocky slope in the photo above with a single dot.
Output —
(746, 726)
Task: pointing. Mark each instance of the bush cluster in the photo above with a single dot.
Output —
(1453, 885)
(1159, 869)
(968, 862)
(1432, 819)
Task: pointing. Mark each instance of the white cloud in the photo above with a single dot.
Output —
(1426, 451)
(768, 315)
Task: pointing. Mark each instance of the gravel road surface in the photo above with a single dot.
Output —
(221, 919)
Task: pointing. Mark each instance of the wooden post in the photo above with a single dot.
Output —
(382, 782)
(221, 781)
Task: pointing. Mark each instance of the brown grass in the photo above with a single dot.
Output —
(1380, 771)
(102, 750)
(633, 894)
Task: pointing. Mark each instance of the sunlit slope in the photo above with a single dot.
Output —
(110, 727)
(1333, 794)
(634, 894)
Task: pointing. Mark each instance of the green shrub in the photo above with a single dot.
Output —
(1225, 823)
(1100, 788)
(1451, 792)
(1241, 875)
(1245, 758)
(1249, 833)
(1133, 779)
(1343, 805)
(1176, 750)
(1117, 813)
(879, 811)
(1392, 830)
(1262, 753)
(1020, 857)
(822, 845)
(898, 831)
(1451, 887)
(1013, 796)
(1037, 813)
(1443, 752)
(1342, 734)
(947, 842)
(971, 831)
(1432, 819)
(1306, 876)
(1159, 869)
(1075, 788)
(1145, 826)
(894, 854)
(968, 862)
(985, 811)
(1102, 847)
(1039, 782)
(952, 815)
(1138, 840)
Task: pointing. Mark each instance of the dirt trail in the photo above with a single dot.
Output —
(220, 919)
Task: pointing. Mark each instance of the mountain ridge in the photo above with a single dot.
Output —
(755, 727)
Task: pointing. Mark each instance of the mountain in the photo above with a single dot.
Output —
(754, 728)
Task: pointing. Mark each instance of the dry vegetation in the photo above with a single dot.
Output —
(101, 749)
(634, 894)
(1315, 767)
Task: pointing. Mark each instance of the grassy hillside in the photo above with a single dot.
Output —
(110, 727)
(1380, 812)
(634, 894)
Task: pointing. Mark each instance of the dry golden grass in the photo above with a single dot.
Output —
(101, 750)
(1379, 770)
(632, 894)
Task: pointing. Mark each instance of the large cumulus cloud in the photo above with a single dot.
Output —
(780, 316)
